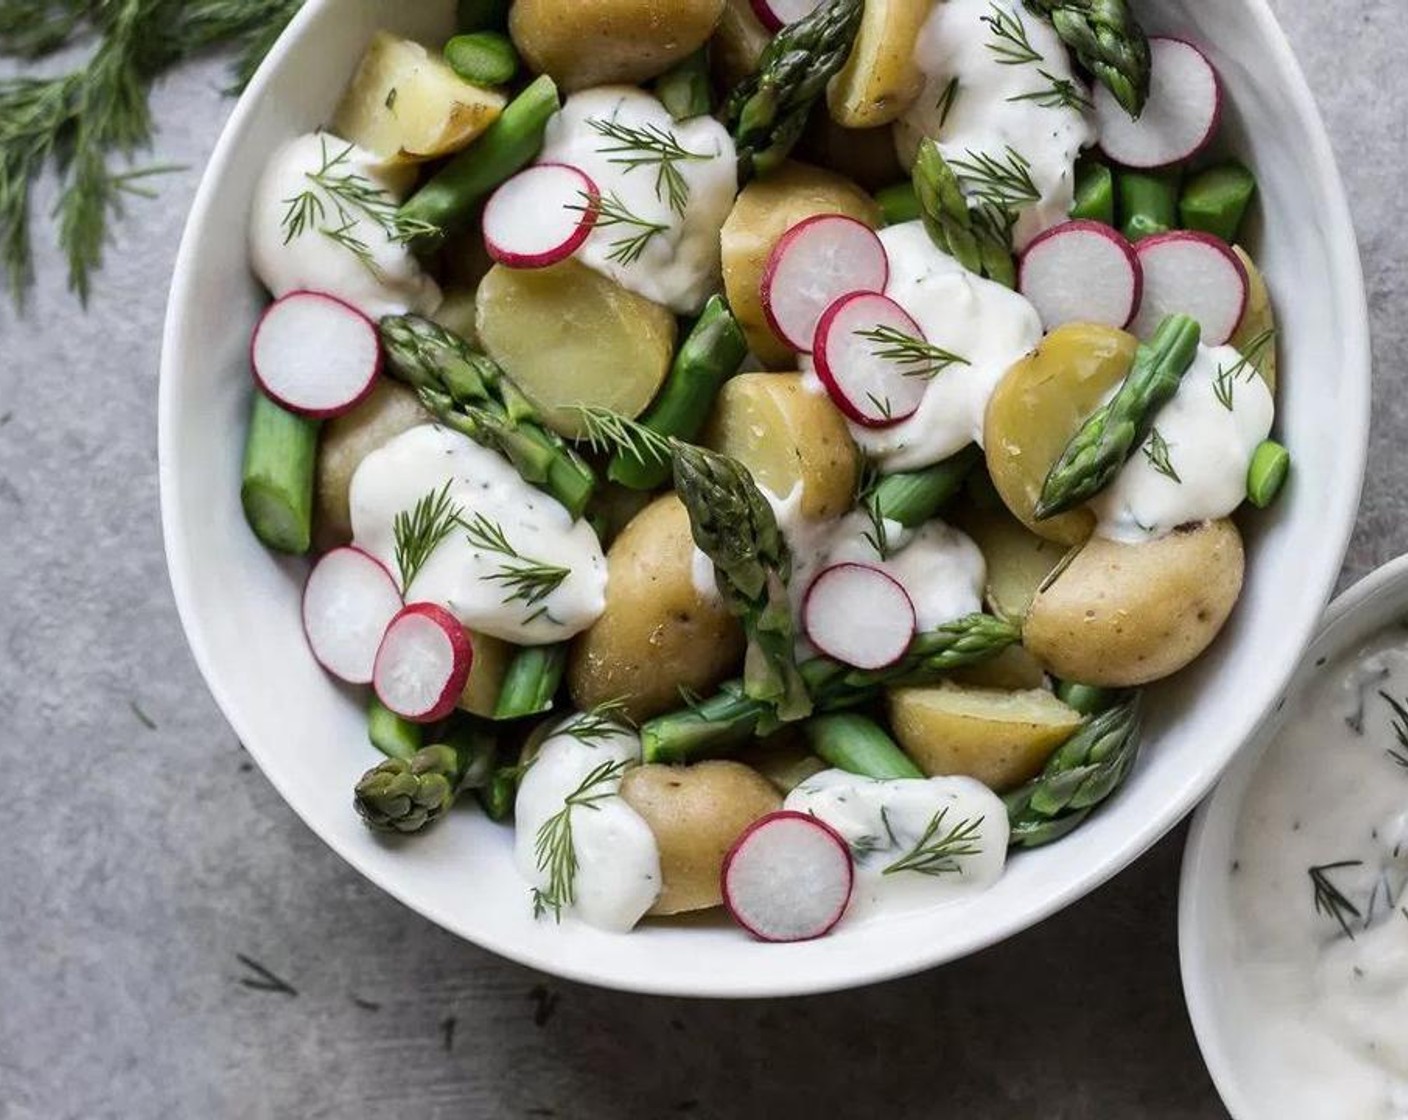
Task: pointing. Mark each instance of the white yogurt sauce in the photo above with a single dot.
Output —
(459, 575)
(618, 862)
(884, 822)
(989, 325)
(680, 264)
(984, 116)
(346, 249)
(1324, 1015)
(1208, 446)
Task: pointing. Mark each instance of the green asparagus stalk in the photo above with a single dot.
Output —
(768, 110)
(467, 391)
(1095, 191)
(898, 203)
(1103, 444)
(498, 795)
(858, 745)
(1087, 699)
(979, 239)
(1270, 466)
(1109, 42)
(685, 89)
(531, 681)
(483, 58)
(445, 204)
(392, 735)
(1082, 774)
(276, 489)
(1148, 202)
(403, 795)
(711, 354)
(915, 497)
(1215, 201)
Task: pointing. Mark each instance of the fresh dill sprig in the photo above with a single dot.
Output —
(421, 531)
(1400, 729)
(883, 405)
(870, 844)
(651, 146)
(1010, 43)
(609, 211)
(878, 535)
(946, 101)
(1247, 366)
(922, 358)
(526, 580)
(1003, 181)
(937, 852)
(1157, 452)
(604, 721)
(553, 847)
(1060, 93)
(1330, 901)
(609, 431)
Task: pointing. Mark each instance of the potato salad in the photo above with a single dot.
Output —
(758, 450)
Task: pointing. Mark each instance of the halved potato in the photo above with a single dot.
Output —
(787, 436)
(486, 675)
(1258, 318)
(457, 313)
(1013, 670)
(1000, 738)
(571, 336)
(785, 760)
(738, 43)
(1039, 405)
(864, 155)
(1122, 615)
(407, 105)
(881, 79)
(1018, 560)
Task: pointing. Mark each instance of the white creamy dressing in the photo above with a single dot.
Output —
(680, 264)
(1325, 1016)
(466, 579)
(344, 248)
(1209, 447)
(982, 118)
(618, 862)
(884, 821)
(976, 319)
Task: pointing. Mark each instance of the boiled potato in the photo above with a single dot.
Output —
(583, 43)
(738, 43)
(785, 760)
(457, 314)
(864, 155)
(1258, 318)
(881, 79)
(1018, 561)
(696, 813)
(1039, 405)
(658, 634)
(346, 440)
(1000, 738)
(765, 210)
(486, 674)
(1013, 670)
(570, 336)
(1122, 615)
(613, 507)
(407, 105)
(787, 436)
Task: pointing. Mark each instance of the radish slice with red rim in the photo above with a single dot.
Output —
(1180, 118)
(1192, 274)
(423, 663)
(777, 14)
(348, 602)
(315, 355)
(788, 877)
(874, 360)
(541, 216)
(814, 264)
(859, 615)
(1082, 272)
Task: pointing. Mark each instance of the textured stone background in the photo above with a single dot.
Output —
(140, 853)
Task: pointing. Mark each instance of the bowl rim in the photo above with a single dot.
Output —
(860, 969)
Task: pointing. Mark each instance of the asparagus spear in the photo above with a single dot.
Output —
(685, 89)
(392, 735)
(498, 795)
(1095, 191)
(978, 239)
(1270, 466)
(769, 109)
(404, 795)
(1109, 42)
(467, 391)
(1148, 202)
(276, 488)
(1215, 201)
(1097, 452)
(1083, 773)
(531, 681)
(898, 203)
(1087, 699)
(914, 497)
(858, 745)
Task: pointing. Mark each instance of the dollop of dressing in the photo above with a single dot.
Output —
(667, 185)
(999, 85)
(1193, 467)
(324, 220)
(473, 582)
(915, 842)
(618, 863)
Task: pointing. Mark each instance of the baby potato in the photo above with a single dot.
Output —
(864, 155)
(696, 813)
(1018, 561)
(787, 436)
(570, 336)
(1012, 670)
(1258, 318)
(738, 43)
(583, 43)
(486, 675)
(1000, 738)
(1123, 615)
(658, 634)
(764, 211)
(1039, 405)
(881, 79)
(785, 760)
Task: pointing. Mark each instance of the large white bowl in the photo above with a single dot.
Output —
(240, 605)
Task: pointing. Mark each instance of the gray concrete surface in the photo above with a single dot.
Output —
(140, 853)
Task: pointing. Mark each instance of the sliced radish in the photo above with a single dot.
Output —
(777, 14)
(1193, 274)
(1180, 118)
(1082, 272)
(855, 343)
(814, 264)
(540, 216)
(788, 877)
(423, 663)
(314, 354)
(859, 615)
(348, 602)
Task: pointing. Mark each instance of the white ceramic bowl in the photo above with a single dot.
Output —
(1236, 1052)
(240, 605)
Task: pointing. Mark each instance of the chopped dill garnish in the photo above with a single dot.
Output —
(1156, 450)
(924, 358)
(553, 846)
(937, 852)
(1010, 43)
(651, 146)
(1330, 901)
(1059, 93)
(421, 531)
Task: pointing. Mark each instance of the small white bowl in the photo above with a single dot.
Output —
(239, 604)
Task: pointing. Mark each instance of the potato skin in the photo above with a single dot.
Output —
(1018, 560)
(882, 78)
(1259, 317)
(696, 813)
(657, 632)
(1123, 615)
(583, 43)
(765, 210)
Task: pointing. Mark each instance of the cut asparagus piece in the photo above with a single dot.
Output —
(913, 498)
(1148, 202)
(858, 745)
(1095, 192)
(1216, 200)
(685, 88)
(280, 456)
(531, 682)
(390, 734)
